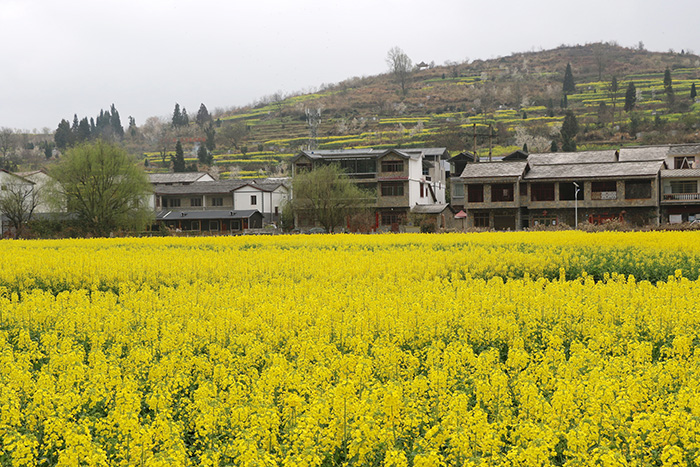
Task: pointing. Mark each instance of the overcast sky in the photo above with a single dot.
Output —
(67, 57)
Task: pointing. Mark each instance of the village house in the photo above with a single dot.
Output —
(197, 204)
(402, 181)
(638, 185)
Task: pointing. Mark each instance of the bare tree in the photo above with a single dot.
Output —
(400, 66)
(231, 136)
(313, 119)
(8, 145)
(18, 200)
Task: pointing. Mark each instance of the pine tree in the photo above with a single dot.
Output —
(630, 97)
(203, 116)
(569, 85)
(204, 156)
(668, 87)
(210, 134)
(177, 116)
(693, 92)
(115, 123)
(554, 147)
(185, 120)
(63, 137)
(179, 158)
(569, 129)
(525, 148)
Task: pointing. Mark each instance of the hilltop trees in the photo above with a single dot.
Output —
(104, 186)
(107, 126)
(400, 66)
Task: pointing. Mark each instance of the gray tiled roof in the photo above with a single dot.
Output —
(680, 173)
(179, 177)
(603, 170)
(494, 169)
(429, 208)
(684, 150)
(216, 187)
(413, 153)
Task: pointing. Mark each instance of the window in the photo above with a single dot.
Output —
(638, 189)
(174, 202)
(194, 225)
(683, 162)
(195, 202)
(392, 166)
(567, 191)
(214, 225)
(390, 218)
(277, 211)
(475, 193)
(253, 200)
(502, 192)
(604, 190)
(458, 190)
(422, 191)
(303, 167)
(392, 189)
(481, 219)
(684, 186)
(542, 191)
(217, 201)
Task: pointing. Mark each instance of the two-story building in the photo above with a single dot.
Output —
(219, 205)
(398, 179)
(524, 190)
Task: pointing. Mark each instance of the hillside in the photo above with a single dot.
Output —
(520, 96)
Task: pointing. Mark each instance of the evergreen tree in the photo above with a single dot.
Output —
(177, 116)
(74, 127)
(693, 92)
(525, 148)
(204, 156)
(63, 137)
(569, 85)
(668, 87)
(203, 117)
(185, 119)
(554, 147)
(116, 123)
(210, 134)
(630, 97)
(179, 158)
(83, 134)
(133, 129)
(569, 129)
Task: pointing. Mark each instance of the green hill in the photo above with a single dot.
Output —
(518, 99)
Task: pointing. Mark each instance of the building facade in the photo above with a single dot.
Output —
(398, 179)
(638, 185)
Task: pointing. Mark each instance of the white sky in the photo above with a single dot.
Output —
(65, 57)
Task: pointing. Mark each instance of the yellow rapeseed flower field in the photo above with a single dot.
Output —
(517, 349)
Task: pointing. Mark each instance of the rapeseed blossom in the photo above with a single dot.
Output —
(524, 349)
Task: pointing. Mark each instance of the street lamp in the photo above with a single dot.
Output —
(576, 205)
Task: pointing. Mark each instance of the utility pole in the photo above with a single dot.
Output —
(490, 140)
(474, 133)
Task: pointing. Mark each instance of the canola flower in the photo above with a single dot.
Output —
(524, 349)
